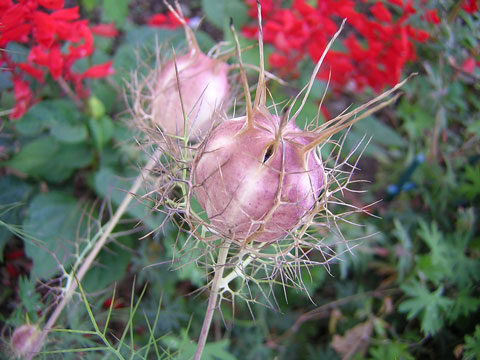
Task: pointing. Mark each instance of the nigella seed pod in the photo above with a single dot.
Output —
(203, 87)
(257, 177)
(189, 90)
(256, 182)
(23, 340)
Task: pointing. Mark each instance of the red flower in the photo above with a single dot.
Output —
(18, 34)
(277, 60)
(99, 71)
(168, 21)
(432, 16)
(105, 30)
(66, 14)
(23, 97)
(470, 6)
(52, 4)
(44, 28)
(381, 13)
(469, 65)
(55, 62)
(38, 55)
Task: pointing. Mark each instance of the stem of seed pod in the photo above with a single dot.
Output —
(212, 300)
(237, 271)
(106, 232)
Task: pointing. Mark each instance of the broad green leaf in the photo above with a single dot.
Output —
(110, 266)
(14, 192)
(427, 306)
(89, 4)
(219, 12)
(60, 117)
(49, 159)
(114, 187)
(53, 220)
(116, 11)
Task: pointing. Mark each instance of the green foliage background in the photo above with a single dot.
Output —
(410, 288)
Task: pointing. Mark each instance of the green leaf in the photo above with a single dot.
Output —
(53, 220)
(212, 351)
(464, 305)
(49, 159)
(116, 11)
(14, 192)
(89, 5)
(101, 130)
(437, 264)
(114, 187)
(472, 345)
(60, 117)
(391, 351)
(471, 187)
(474, 128)
(428, 306)
(218, 13)
(29, 297)
(110, 266)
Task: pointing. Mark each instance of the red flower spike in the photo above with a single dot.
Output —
(52, 4)
(105, 30)
(168, 21)
(13, 16)
(39, 56)
(18, 34)
(44, 28)
(55, 62)
(470, 6)
(66, 14)
(5, 5)
(381, 13)
(99, 71)
(277, 60)
(23, 97)
(432, 17)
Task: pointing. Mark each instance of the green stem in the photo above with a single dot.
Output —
(107, 230)
(212, 300)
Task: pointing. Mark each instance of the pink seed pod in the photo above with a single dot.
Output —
(257, 177)
(192, 86)
(256, 182)
(23, 340)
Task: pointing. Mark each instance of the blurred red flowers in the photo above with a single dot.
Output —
(56, 37)
(168, 21)
(376, 44)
